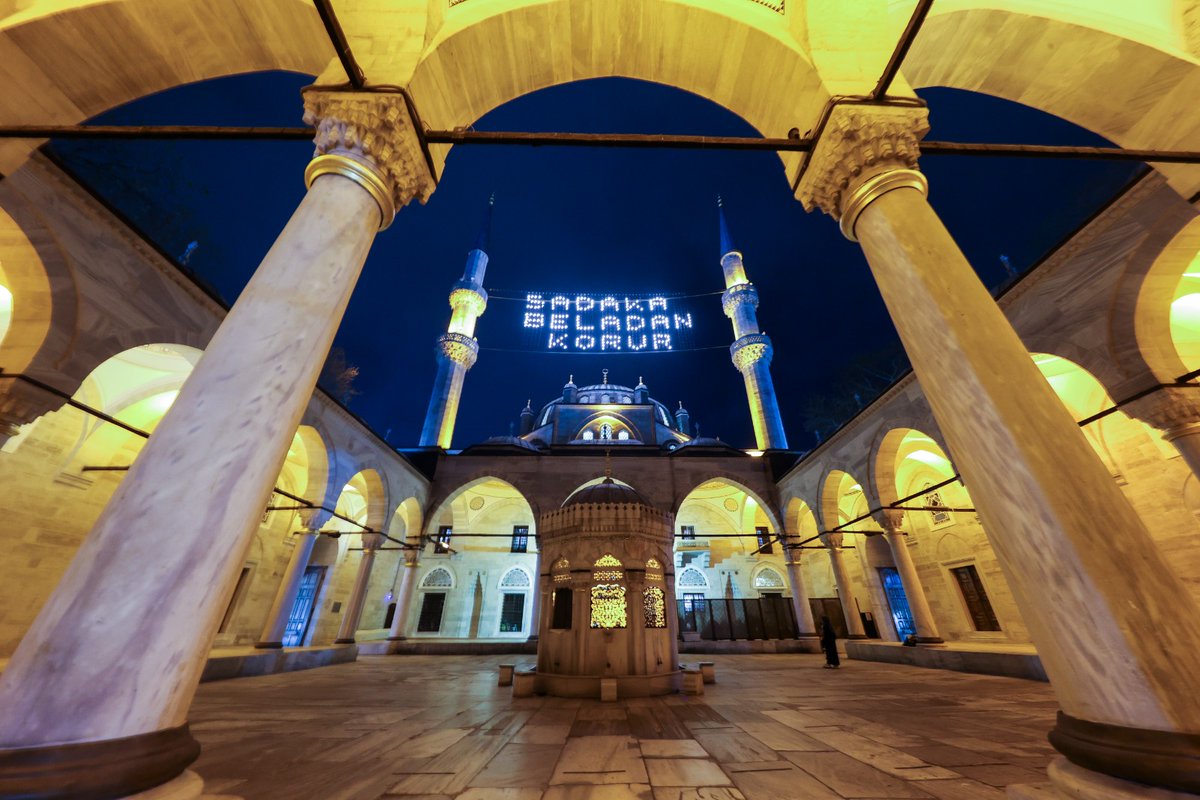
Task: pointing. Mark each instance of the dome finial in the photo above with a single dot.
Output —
(608, 466)
(605, 373)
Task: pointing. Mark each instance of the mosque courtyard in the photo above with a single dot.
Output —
(773, 726)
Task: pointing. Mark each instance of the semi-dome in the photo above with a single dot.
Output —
(607, 491)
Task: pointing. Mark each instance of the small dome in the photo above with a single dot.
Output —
(607, 491)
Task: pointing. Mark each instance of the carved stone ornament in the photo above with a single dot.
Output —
(750, 349)
(375, 127)
(858, 142)
(831, 540)
(890, 520)
(1171, 410)
(738, 294)
(458, 348)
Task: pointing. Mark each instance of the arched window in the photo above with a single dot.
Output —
(515, 578)
(626, 398)
(606, 398)
(587, 398)
(623, 436)
(513, 587)
(588, 436)
(769, 580)
(439, 578)
(606, 430)
(692, 578)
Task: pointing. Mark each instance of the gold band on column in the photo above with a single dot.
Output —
(360, 173)
(872, 189)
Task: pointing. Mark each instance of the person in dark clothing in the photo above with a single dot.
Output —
(829, 644)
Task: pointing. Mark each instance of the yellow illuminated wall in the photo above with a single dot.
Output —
(5, 311)
(1185, 316)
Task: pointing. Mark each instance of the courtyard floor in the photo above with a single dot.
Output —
(773, 726)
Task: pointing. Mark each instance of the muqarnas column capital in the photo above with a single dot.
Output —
(370, 138)
(459, 348)
(750, 350)
(736, 295)
(859, 146)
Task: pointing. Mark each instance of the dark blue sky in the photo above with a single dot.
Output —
(597, 221)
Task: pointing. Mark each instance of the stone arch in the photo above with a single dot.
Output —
(476, 504)
(405, 523)
(446, 494)
(269, 35)
(909, 460)
(800, 519)
(764, 499)
(487, 53)
(135, 386)
(1167, 280)
(37, 276)
(836, 485)
(594, 482)
(1127, 66)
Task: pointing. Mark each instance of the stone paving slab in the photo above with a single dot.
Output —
(774, 726)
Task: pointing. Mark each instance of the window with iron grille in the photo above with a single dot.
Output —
(520, 540)
(442, 545)
(975, 596)
(765, 545)
(512, 613)
(687, 531)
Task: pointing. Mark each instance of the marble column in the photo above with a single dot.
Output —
(106, 673)
(918, 603)
(404, 596)
(289, 587)
(1116, 629)
(371, 543)
(804, 618)
(841, 576)
(1175, 413)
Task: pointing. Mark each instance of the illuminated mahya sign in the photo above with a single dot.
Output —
(607, 322)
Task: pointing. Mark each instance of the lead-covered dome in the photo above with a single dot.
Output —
(607, 491)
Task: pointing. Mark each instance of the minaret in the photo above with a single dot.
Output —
(457, 348)
(527, 417)
(751, 350)
(682, 419)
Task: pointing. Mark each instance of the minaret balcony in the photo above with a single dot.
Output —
(736, 295)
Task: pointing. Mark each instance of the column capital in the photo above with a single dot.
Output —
(313, 518)
(831, 540)
(372, 541)
(891, 520)
(370, 138)
(862, 153)
(459, 348)
(1175, 411)
(22, 403)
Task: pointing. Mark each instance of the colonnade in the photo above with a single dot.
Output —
(1089, 581)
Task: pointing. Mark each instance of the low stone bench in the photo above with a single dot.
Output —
(608, 690)
(524, 681)
(709, 670)
(506, 674)
(693, 680)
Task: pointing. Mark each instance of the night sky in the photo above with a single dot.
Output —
(593, 220)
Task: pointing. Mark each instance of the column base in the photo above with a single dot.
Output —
(1072, 782)
(269, 645)
(1166, 759)
(188, 786)
(344, 641)
(131, 766)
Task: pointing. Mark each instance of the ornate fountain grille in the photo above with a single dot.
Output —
(608, 606)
